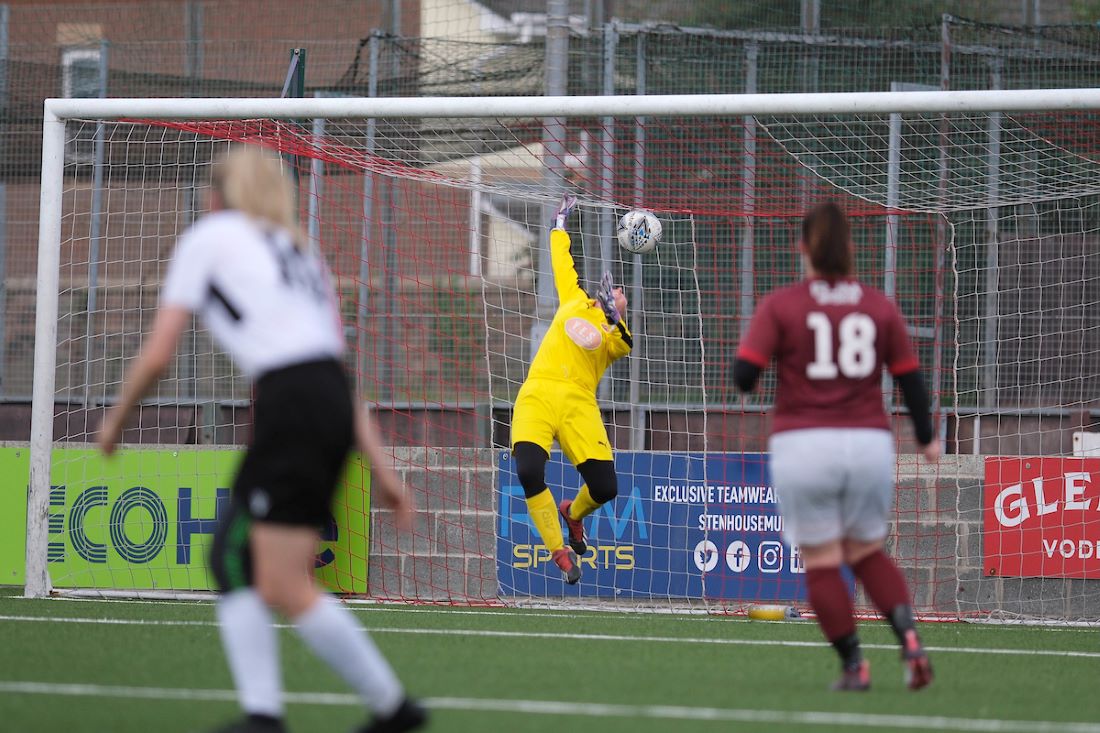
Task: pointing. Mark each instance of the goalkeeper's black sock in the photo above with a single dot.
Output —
(901, 621)
(848, 649)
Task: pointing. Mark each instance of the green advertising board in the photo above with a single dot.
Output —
(145, 519)
(14, 473)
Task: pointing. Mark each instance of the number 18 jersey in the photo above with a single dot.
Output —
(830, 341)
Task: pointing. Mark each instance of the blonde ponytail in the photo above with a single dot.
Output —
(251, 180)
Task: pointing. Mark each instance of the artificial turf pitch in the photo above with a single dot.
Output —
(118, 666)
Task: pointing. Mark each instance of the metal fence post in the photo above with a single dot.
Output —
(638, 414)
(989, 377)
(363, 301)
(607, 166)
(941, 248)
(95, 235)
(553, 156)
(5, 17)
(748, 194)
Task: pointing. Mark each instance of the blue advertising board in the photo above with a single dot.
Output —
(685, 525)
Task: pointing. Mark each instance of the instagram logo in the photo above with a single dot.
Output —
(769, 557)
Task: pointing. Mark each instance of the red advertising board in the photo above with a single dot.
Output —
(1041, 517)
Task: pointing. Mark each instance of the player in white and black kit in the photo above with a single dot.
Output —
(832, 451)
(271, 306)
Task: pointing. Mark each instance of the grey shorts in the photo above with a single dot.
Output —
(833, 483)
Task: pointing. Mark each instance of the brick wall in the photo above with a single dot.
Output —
(928, 533)
(451, 552)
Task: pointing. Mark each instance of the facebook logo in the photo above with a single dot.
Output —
(738, 556)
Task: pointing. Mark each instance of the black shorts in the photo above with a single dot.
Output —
(302, 430)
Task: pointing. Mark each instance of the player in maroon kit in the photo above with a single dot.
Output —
(832, 451)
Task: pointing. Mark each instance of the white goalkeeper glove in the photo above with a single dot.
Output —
(606, 298)
(568, 201)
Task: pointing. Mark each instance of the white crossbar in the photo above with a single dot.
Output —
(614, 106)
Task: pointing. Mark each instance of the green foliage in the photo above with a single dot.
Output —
(1086, 11)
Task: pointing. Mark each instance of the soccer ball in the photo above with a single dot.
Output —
(639, 231)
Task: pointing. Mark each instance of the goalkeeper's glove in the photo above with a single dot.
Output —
(605, 296)
(568, 201)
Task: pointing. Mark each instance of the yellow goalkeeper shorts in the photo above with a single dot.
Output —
(547, 409)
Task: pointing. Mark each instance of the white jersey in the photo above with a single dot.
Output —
(267, 304)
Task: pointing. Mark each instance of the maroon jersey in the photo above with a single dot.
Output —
(830, 342)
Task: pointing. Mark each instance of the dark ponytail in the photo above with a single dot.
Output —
(827, 238)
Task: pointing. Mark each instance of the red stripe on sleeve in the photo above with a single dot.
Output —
(752, 357)
(904, 367)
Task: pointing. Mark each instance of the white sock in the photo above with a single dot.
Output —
(252, 647)
(334, 635)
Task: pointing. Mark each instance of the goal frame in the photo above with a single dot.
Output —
(58, 111)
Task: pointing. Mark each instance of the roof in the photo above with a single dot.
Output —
(505, 8)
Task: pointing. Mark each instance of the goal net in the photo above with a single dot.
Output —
(434, 216)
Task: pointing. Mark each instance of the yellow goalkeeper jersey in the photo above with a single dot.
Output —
(580, 344)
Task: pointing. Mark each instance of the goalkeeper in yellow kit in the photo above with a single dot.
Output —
(558, 400)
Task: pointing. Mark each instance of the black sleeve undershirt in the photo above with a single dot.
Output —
(745, 374)
(913, 391)
(915, 395)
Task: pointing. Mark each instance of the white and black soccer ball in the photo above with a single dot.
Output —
(639, 231)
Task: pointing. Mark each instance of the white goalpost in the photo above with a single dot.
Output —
(978, 211)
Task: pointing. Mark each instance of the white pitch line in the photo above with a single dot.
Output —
(571, 612)
(565, 614)
(489, 633)
(367, 606)
(574, 612)
(595, 710)
(720, 642)
(111, 621)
